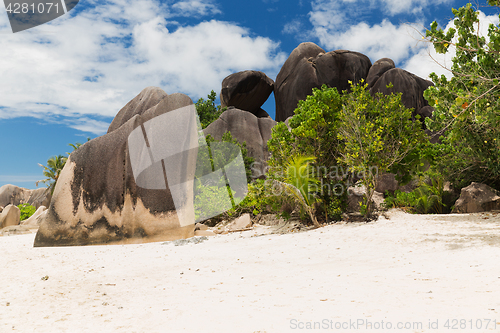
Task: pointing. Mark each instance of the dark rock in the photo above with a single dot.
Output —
(411, 86)
(386, 182)
(245, 127)
(477, 198)
(378, 68)
(97, 199)
(308, 67)
(247, 90)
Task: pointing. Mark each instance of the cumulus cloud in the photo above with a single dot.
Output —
(94, 61)
(376, 41)
(343, 24)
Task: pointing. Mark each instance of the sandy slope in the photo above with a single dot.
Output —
(407, 269)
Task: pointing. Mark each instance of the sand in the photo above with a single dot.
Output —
(427, 273)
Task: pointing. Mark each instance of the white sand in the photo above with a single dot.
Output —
(409, 269)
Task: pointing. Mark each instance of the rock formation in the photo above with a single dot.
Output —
(410, 85)
(247, 90)
(245, 127)
(477, 198)
(308, 67)
(98, 199)
(15, 195)
(11, 215)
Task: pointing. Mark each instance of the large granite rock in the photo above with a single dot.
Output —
(245, 127)
(410, 85)
(308, 67)
(11, 215)
(106, 194)
(477, 198)
(15, 195)
(378, 68)
(247, 90)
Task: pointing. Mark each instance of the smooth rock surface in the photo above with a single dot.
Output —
(11, 215)
(245, 127)
(247, 90)
(308, 67)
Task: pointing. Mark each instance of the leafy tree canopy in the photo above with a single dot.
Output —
(466, 106)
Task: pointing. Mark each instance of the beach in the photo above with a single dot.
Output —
(403, 272)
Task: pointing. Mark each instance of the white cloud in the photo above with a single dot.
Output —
(376, 41)
(95, 62)
(293, 28)
(195, 8)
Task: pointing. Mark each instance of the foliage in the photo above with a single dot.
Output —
(247, 160)
(312, 132)
(52, 170)
(466, 106)
(212, 198)
(378, 135)
(26, 210)
(207, 110)
(299, 182)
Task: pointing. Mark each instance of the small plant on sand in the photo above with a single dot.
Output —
(300, 184)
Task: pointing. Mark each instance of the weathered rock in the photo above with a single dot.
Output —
(240, 223)
(410, 85)
(477, 198)
(97, 199)
(34, 219)
(247, 90)
(378, 68)
(15, 195)
(11, 215)
(308, 67)
(386, 182)
(245, 127)
(356, 197)
(147, 98)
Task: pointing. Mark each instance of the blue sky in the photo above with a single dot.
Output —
(64, 81)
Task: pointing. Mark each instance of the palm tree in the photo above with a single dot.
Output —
(298, 182)
(52, 171)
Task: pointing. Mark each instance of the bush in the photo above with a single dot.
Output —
(378, 135)
(26, 210)
(425, 199)
(313, 132)
(466, 106)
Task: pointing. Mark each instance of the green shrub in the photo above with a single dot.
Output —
(26, 210)
(466, 105)
(313, 132)
(424, 199)
(378, 135)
